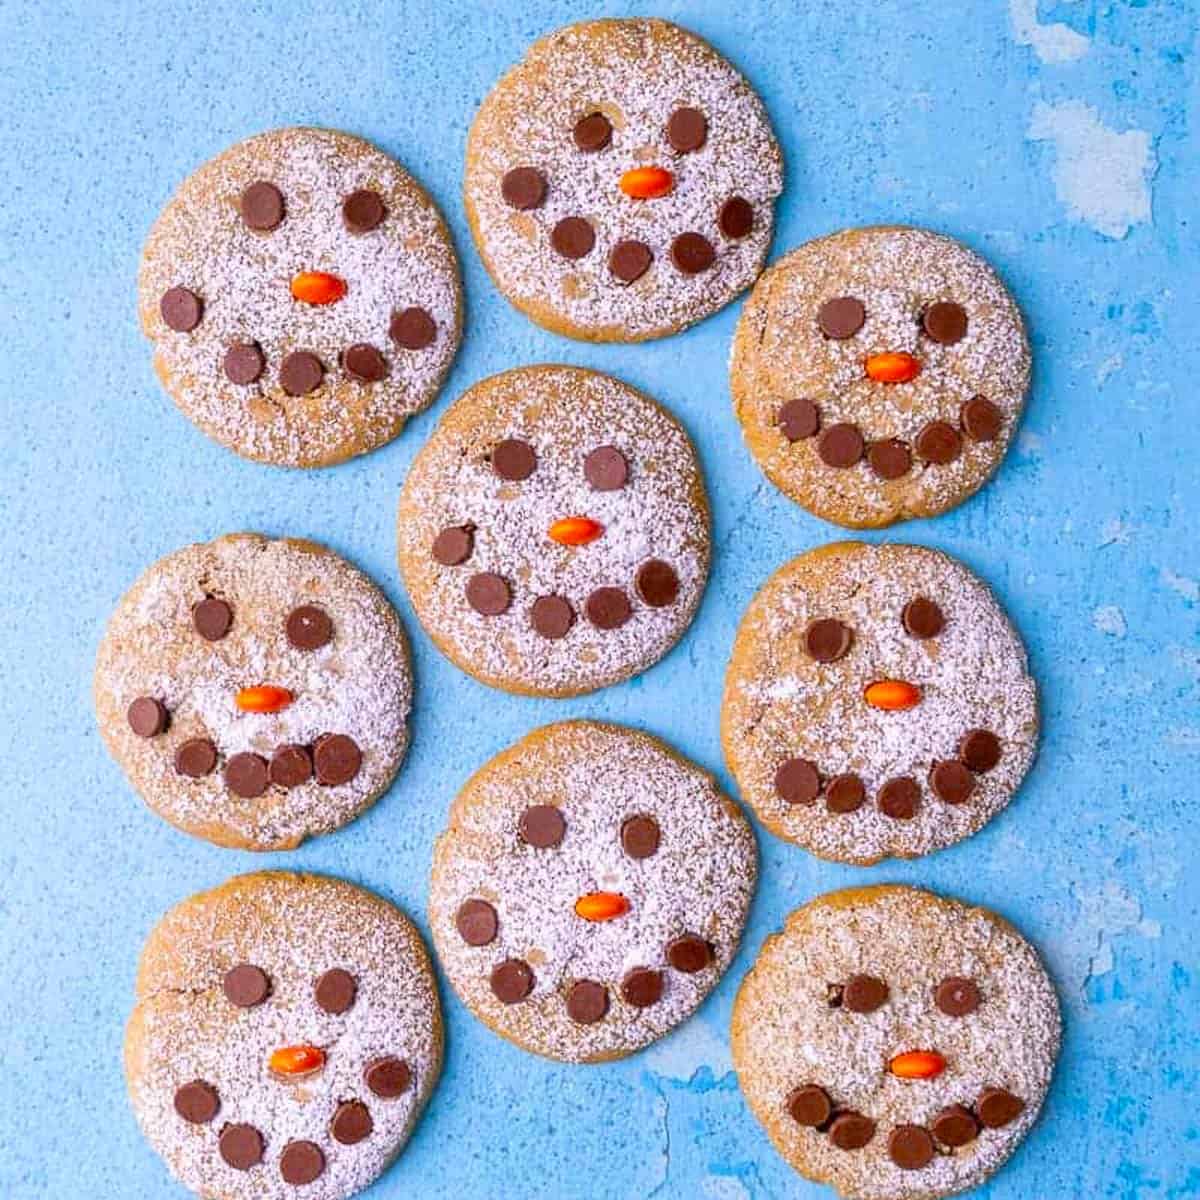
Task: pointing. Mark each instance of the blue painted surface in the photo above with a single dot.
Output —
(965, 117)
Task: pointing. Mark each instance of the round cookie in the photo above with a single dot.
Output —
(879, 374)
(895, 1044)
(302, 294)
(620, 181)
(285, 1038)
(256, 692)
(589, 891)
(877, 703)
(553, 531)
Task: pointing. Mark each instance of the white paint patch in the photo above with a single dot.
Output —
(1056, 43)
(1115, 532)
(1189, 589)
(1110, 620)
(1185, 738)
(1110, 366)
(1030, 443)
(1188, 659)
(1105, 913)
(682, 1053)
(1103, 177)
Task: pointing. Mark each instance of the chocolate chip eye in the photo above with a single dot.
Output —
(363, 211)
(262, 206)
(606, 469)
(827, 639)
(841, 317)
(945, 322)
(864, 993)
(514, 460)
(246, 985)
(923, 618)
(957, 996)
(542, 826)
(212, 618)
(335, 991)
(687, 130)
(592, 132)
(308, 627)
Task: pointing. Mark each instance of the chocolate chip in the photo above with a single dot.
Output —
(551, 617)
(147, 716)
(308, 627)
(955, 1126)
(842, 317)
(488, 594)
(476, 922)
(197, 1102)
(864, 993)
(692, 253)
(412, 328)
(945, 322)
(606, 469)
(301, 372)
(689, 953)
(364, 363)
(587, 1002)
(981, 419)
(899, 797)
(511, 980)
(827, 639)
(841, 445)
(244, 362)
(890, 458)
(301, 1162)
(939, 442)
(181, 309)
(951, 781)
(514, 459)
(736, 217)
(997, 1107)
(454, 545)
(923, 618)
(979, 749)
(642, 987)
(592, 132)
(799, 419)
(351, 1123)
(851, 1131)
(542, 825)
(608, 608)
(573, 237)
(657, 583)
(262, 206)
(246, 775)
(336, 759)
(241, 1146)
(388, 1077)
(810, 1106)
(523, 188)
(212, 618)
(845, 794)
(910, 1147)
(196, 758)
(640, 836)
(246, 985)
(335, 991)
(797, 781)
(291, 766)
(363, 211)
(630, 260)
(957, 996)
(687, 129)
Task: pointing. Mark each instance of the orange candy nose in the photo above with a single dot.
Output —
(575, 531)
(892, 694)
(647, 183)
(317, 287)
(296, 1060)
(601, 906)
(263, 699)
(894, 366)
(917, 1064)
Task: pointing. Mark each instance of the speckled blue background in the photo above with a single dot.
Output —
(1051, 137)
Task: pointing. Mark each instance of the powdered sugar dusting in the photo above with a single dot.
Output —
(358, 684)
(636, 72)
(184, 1028)
(786, 1033)
(700, 881)
(779, 703)
(243, 277)
(661, 512)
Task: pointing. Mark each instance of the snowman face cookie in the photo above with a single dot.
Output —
(302, 295)
(895, 1044)
(285, 1039)
(620, 181)
(879, 374)
(553, 532)
(877, 703)
(256, 692)
(589, 891)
